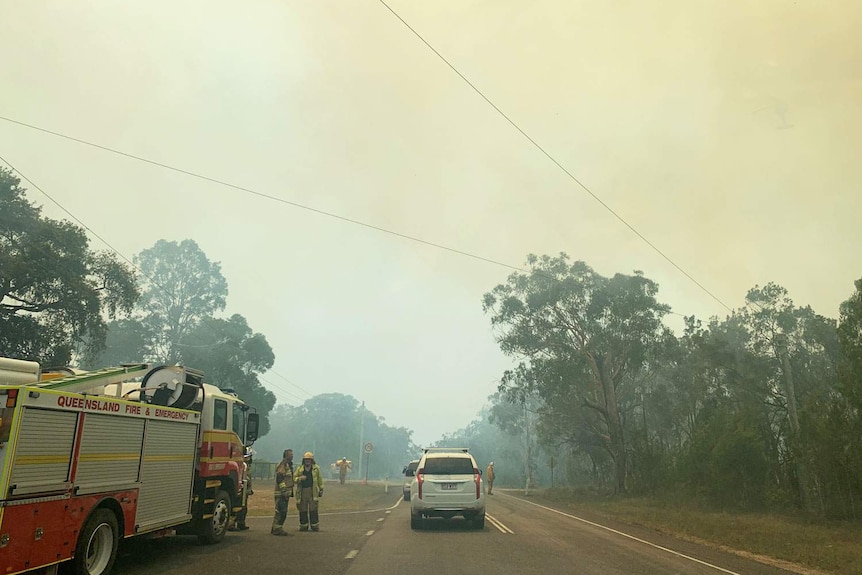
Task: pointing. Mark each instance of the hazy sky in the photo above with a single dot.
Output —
(728, 133)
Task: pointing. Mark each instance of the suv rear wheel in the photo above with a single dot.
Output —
(415, 521)
(479, 521)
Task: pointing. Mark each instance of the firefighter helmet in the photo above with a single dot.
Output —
(308, 455)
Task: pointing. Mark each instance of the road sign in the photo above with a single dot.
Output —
(369, 447)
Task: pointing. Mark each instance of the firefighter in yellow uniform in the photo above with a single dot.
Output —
(489, 477)
(343, 467)
(283, 491)
(309, 489)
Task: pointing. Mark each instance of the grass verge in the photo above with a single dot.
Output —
(794, 543)
(349, 497)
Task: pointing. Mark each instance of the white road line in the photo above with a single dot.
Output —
(381, 518)
(498, 524)
(378, 510)
(632, 537)
(352, 553)
(370, 533)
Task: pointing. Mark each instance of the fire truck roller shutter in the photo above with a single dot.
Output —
(44, 451)
(172, 386)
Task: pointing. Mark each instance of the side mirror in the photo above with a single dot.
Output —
(409, 473)
(251, 428)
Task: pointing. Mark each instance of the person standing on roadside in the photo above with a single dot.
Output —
(309, 483)
(343, 466)
(283, 491)
(489, 477)
(240, 524)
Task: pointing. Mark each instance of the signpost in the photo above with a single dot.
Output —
(368, 448)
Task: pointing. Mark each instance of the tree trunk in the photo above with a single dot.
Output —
(795, 437)
(615, 429)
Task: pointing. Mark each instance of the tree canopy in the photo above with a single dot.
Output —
(761, 409)
(55, 292)
(595, 332)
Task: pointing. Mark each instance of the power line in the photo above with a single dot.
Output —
(299, 387)
(262, 195)
(282, 389)
(266, 196)
(552, 159)
(283, 201)
(206, 321)
(70, 214)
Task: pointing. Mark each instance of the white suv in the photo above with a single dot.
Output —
(447, 483)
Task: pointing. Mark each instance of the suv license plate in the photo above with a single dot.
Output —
(448, 486)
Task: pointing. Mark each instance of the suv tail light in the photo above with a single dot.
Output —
(420, 479)
(478, 479)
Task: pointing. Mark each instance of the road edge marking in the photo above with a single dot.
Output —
(632, 537)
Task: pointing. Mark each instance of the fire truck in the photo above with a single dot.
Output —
(90, 458)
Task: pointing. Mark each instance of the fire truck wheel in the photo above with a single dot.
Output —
(215, 527)
(97, 544)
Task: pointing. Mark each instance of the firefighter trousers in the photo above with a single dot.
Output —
(280, 511)
(308, 510)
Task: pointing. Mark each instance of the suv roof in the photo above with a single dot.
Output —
(445, 449)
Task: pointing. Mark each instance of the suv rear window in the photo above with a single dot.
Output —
(448, 466)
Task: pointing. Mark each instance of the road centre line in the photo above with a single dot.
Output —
(632, 537)
(352, 553)
(498, 524)
(370, 533)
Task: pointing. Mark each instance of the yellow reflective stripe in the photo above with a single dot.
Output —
(41, 459)
(179, 457)
(92, 457)
(109, 457)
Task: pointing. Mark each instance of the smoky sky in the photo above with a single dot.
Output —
(726, 133)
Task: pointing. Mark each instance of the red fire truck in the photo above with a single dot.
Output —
(89, 458)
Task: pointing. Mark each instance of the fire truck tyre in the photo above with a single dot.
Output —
(97, 544)
(216, 526)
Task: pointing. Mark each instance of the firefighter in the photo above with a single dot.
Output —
(309, 484)
(283, 491)
(489, 477)
(343, 466)
(240, 524)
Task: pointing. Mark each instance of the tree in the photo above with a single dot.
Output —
(799, 345)
(55, 292)
(328, 425)
(181, 287)
(596, 330)
(232, 356)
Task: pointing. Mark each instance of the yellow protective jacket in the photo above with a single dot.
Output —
(316, 479)
(283, 477)
(489, 473)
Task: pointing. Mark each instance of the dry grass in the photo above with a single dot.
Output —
(808, 546)
(352, 496)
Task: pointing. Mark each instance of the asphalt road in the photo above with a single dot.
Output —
(519, 538)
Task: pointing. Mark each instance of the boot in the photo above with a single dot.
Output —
(277, 530)
(303, 520)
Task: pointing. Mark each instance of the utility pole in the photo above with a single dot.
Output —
(361, 437)
(527, 450)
